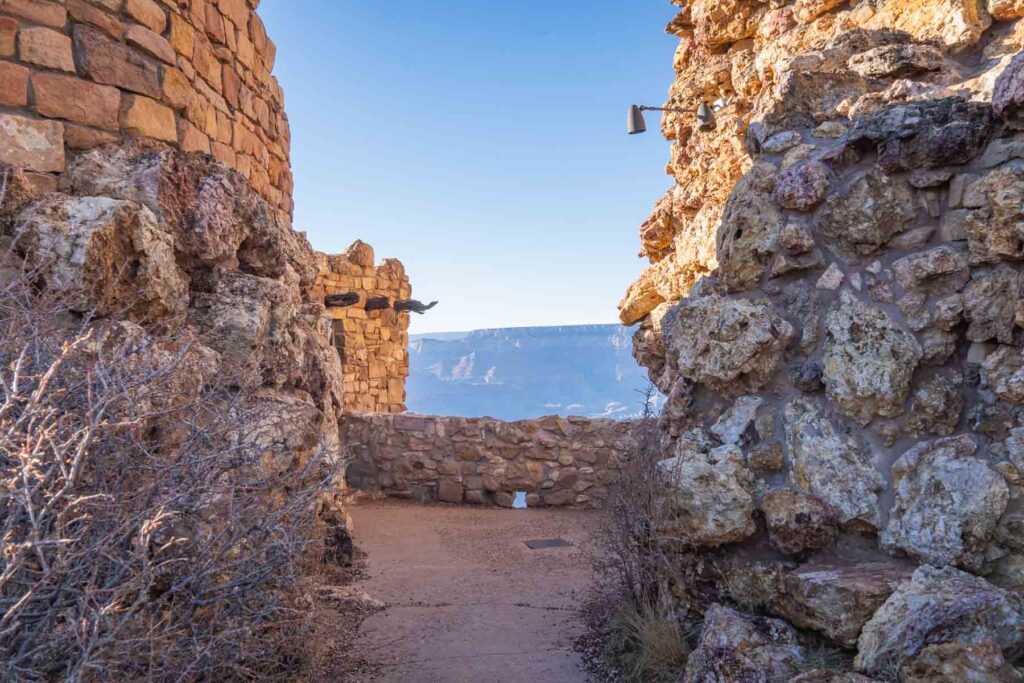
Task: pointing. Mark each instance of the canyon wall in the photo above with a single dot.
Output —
(835, 312)
(556, 461)
(373, 344)
(76, 74)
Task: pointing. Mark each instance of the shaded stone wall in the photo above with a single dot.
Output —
(839, 331)
(75, 74)
(556, 461)
(373, 344)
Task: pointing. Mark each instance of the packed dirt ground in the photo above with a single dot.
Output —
(466, 599)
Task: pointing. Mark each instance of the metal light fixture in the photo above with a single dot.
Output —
(705, 116)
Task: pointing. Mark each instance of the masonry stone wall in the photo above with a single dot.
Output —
(373, 344)
(75, 74)
(834, 312)
(556, 461)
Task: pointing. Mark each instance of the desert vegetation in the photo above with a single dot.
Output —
(147, 535)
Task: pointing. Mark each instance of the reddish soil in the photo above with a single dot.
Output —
(467, 601)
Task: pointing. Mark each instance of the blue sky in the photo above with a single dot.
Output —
(482, 143)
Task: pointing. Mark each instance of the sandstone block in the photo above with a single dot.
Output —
(148, 13)
(177, 90)
(111, 63)
(85, 12)
(183, 36)
(8, 35)
(31, 144)
(72, 99)
(450, 491)
(83, 138)
(40, 11)
(46, 48)
(13, 85)
(192, 139)
(151, 43)
(148, 118)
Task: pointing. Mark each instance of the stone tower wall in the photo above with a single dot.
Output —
(373, 345)
(834, 310)
(75, 74)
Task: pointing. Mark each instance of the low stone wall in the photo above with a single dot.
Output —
(556, 461)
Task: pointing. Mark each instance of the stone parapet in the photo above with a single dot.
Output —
(75, 74)
(556, 461)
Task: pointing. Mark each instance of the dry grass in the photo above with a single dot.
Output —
(655, 642)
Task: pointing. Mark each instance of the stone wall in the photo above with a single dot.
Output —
(557, 461)
(844, 433)
(373, 344)
(75, 74)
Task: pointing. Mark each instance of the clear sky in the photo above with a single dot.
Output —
(482, 143)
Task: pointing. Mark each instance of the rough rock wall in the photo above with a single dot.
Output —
(75, 74)
(556, 461)
(844, 427)
(373, 344)
(181, 245)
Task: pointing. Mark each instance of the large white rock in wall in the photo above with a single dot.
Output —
(832, 465)
(730, 345)
(869, 360)
(947, 504)
(711, 503)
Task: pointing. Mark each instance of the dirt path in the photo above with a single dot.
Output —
(467, 600)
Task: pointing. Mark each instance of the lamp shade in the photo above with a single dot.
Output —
(705, 117)
(635, 122)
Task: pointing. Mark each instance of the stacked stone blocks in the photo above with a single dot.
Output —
(75, 74)
(373, 344)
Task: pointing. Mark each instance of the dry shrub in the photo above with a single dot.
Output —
(631, 552)
(646, 640)
(145, 534)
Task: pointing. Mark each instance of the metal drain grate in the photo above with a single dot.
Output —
(548, 543)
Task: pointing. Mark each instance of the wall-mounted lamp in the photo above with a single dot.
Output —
(705, 116)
